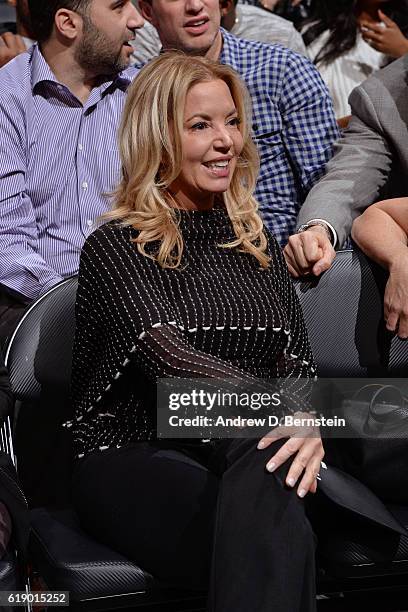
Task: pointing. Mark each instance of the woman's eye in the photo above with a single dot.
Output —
(201, 125)
(235, 121)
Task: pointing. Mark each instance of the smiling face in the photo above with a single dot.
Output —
(192, 26)
(211, 143)
(108, 26)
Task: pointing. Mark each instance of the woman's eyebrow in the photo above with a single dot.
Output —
(233, 111)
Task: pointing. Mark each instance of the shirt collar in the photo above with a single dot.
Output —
(40, 70)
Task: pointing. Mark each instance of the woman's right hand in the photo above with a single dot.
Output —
(305, 444)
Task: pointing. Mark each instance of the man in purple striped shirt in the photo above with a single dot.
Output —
(60, 105)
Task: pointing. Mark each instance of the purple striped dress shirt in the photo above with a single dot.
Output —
(58, 163)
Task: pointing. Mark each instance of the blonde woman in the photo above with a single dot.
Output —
(382, 233)
(184, 282)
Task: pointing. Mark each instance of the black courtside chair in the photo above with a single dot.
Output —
(39, 362)
(343, 311)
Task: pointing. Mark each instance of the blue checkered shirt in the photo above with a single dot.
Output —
(293, 126)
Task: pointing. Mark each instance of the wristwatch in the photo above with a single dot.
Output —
(322, 224)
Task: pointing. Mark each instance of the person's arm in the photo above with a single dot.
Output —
(309, 129)
(310, 134)
(354, 178)
(381, 232)
(164, 352)
(22, 269)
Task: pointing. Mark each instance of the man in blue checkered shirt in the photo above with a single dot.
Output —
(293, 121)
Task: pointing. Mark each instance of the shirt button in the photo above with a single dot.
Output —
(59, 87)
(80, 147)
(89, 222)
(84, 185)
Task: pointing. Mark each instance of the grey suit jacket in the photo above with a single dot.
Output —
(371, 159)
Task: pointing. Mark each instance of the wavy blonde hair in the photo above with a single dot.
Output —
(150, 145)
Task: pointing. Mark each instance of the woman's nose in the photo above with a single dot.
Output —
(223, 138)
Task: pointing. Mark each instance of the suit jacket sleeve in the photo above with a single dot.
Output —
(359, 168)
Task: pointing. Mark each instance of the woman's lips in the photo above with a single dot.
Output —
(218, 171)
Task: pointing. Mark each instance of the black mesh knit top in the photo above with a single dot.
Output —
(217, 316)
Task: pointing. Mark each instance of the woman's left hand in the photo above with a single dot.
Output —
(306, 444)
(385, 36)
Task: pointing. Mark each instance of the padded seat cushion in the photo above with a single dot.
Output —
(359, 548)
(68, 559)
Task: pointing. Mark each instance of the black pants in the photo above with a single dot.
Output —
(222, 521)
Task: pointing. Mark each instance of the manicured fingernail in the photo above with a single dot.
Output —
(302, 493)
(270, 466)
(290, 482)
(261, 445)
